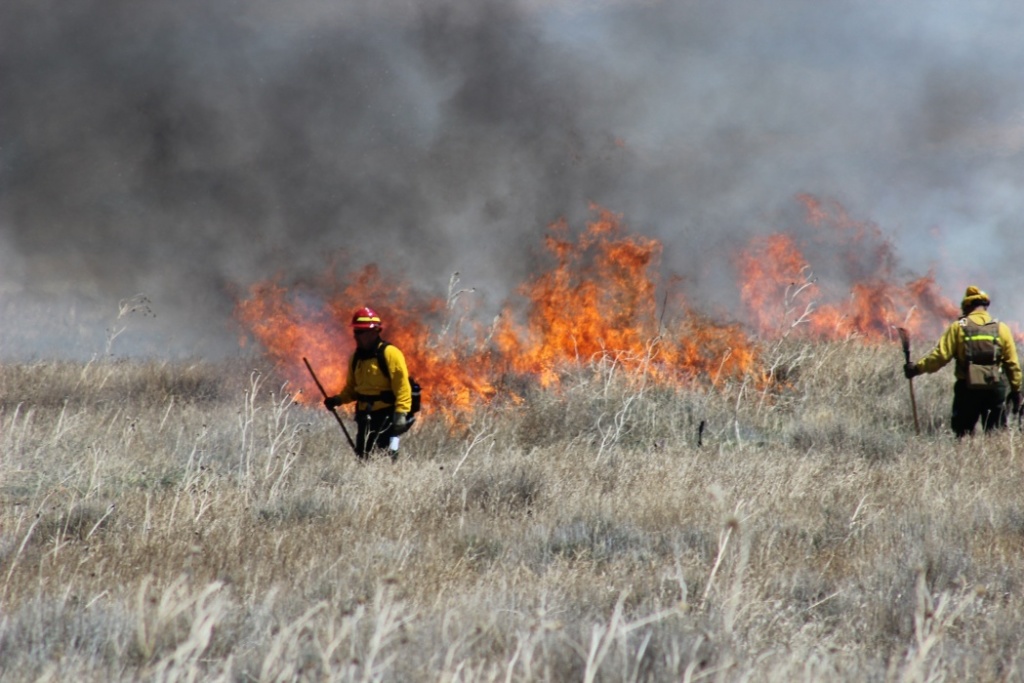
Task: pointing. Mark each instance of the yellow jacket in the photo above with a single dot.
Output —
(951, 345)
(365, 380)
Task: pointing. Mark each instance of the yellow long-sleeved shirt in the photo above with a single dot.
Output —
(365, 378)
(951, 346)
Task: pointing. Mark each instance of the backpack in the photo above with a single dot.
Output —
(983, 354)
(390, 395)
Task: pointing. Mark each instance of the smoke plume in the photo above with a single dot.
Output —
(158, 157)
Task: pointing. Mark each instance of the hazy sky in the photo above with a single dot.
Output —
(183, 149)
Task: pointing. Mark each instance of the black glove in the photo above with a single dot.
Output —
(1015, 397)
(401, 423)
(332, 402)
(910, 370)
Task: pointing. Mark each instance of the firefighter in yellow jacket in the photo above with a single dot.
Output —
(986, 366)
(383, 395)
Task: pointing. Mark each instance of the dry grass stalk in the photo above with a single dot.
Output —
(182, 522)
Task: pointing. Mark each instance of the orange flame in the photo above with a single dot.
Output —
(780, 291)
(597, 302)
(311, 320)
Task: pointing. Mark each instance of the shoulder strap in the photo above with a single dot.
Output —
(381, 361)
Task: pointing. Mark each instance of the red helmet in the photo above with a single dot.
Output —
(366, 319)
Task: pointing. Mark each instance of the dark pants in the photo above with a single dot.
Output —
(374, 432)
(971, 405)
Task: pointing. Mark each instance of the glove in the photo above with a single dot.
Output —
(1015, 397)
(401, 423)
(332, 402)
(910, 371)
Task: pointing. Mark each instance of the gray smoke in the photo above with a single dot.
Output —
(183, 149)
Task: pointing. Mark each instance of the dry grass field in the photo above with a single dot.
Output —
(189, 522)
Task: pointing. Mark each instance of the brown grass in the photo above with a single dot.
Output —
(188, 522)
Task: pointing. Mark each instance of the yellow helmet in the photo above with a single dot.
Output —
(974, 297)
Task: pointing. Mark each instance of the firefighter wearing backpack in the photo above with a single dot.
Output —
(383, 396)
(986, 366)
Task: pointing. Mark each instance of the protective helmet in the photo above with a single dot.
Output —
(366, 319)
(974, 297)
